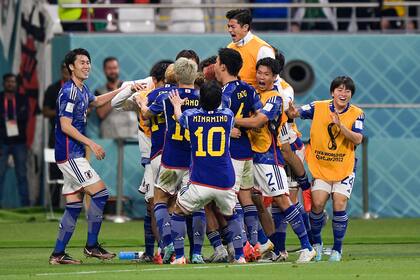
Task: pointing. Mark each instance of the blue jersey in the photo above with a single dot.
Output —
(242, 99)
(210, 135)
(72, 103)
(157, 122)
(176, 148)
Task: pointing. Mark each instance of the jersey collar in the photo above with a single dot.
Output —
(245, 40)
(332, 109)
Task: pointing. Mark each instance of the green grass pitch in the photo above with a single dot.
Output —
(375, 249)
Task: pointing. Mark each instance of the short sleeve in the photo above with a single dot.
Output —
(359, 124)
(183, 120)
(66, 102)
(307, 111)
(272, 108)
(226, 101)
(157, 106)
(256, 102)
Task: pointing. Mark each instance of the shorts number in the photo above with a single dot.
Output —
(270, 179)
(346, 181)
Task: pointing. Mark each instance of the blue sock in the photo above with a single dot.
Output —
(305, 218)
(199, 229)
(226, 235)
(251, 222)
(149, 238)
(317, 223)
(276, 240)
(303, 182)
(339, 224)
(234, 226)
(190, 233)
(67, 225)
(280, 226)
(178, 234)
(95, 216)
(262, 238)
(240, 213)
(163, 222)
(293, 217)
(214, 238)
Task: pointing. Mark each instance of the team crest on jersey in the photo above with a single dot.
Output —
(88, 174)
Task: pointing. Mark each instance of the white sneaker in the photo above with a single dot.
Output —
(267, 246)
(306, 255)
(178, 261)
(318, 248)
(241, 260)
(282, 257)
(335, 256)
(220, 255)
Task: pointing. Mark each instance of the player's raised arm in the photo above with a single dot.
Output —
(292, 112)
(122, 100)
(354, 136)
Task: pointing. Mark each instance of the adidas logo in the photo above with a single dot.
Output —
(197, 233)
(179, 239)
(167, 224)
(273, 190)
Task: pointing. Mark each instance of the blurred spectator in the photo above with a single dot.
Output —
(13, 120)
(390, 15)
(114, 124)
(49, 112)
(324, 18)
(74, 14)
(271, 14)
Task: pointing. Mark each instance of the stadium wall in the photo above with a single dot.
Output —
(384, 67)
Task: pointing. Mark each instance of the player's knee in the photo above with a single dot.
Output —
(339, 202)
(317, 205)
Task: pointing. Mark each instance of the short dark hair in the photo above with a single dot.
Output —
(158, 70)
(8, 75)
(279, 57)
(190, 54)
(271, 63)
(346, 81)
(71, 57)
(108, 59)
(207, 62)
(231, 59)
(243, 16)
(210, 95)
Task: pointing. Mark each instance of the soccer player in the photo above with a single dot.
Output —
(79, 177)
(242, 99)
(125, 101)
(251, 47)
(176, 156)
(268, 163)
(210, 136)
(336, 130)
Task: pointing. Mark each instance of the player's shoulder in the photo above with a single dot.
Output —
(68, 90)
(356, 109)
(192, 112)
(226, 111)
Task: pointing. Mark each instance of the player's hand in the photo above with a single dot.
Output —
(175, 99)
(292, 112)
(141, 100)
(236, 133)
(138, 87)
(335, 118)
(97, 150)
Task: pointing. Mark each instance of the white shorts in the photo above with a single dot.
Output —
(77, 174)
(244, 174)
(343, 187)
(150, 178)
(193, 197)
(284, 136)
(293, 185)
(145, 144)
(270, 179)
(147, 184)
(170, 180)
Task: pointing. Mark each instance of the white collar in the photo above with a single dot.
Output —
(245, 40)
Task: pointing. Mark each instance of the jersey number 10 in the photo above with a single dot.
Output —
(210, 134)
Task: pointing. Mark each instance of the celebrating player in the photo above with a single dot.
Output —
(336, 130)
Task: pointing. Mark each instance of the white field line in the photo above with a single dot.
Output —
(158, 269)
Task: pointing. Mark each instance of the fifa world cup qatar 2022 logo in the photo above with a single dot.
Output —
(333, 132)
